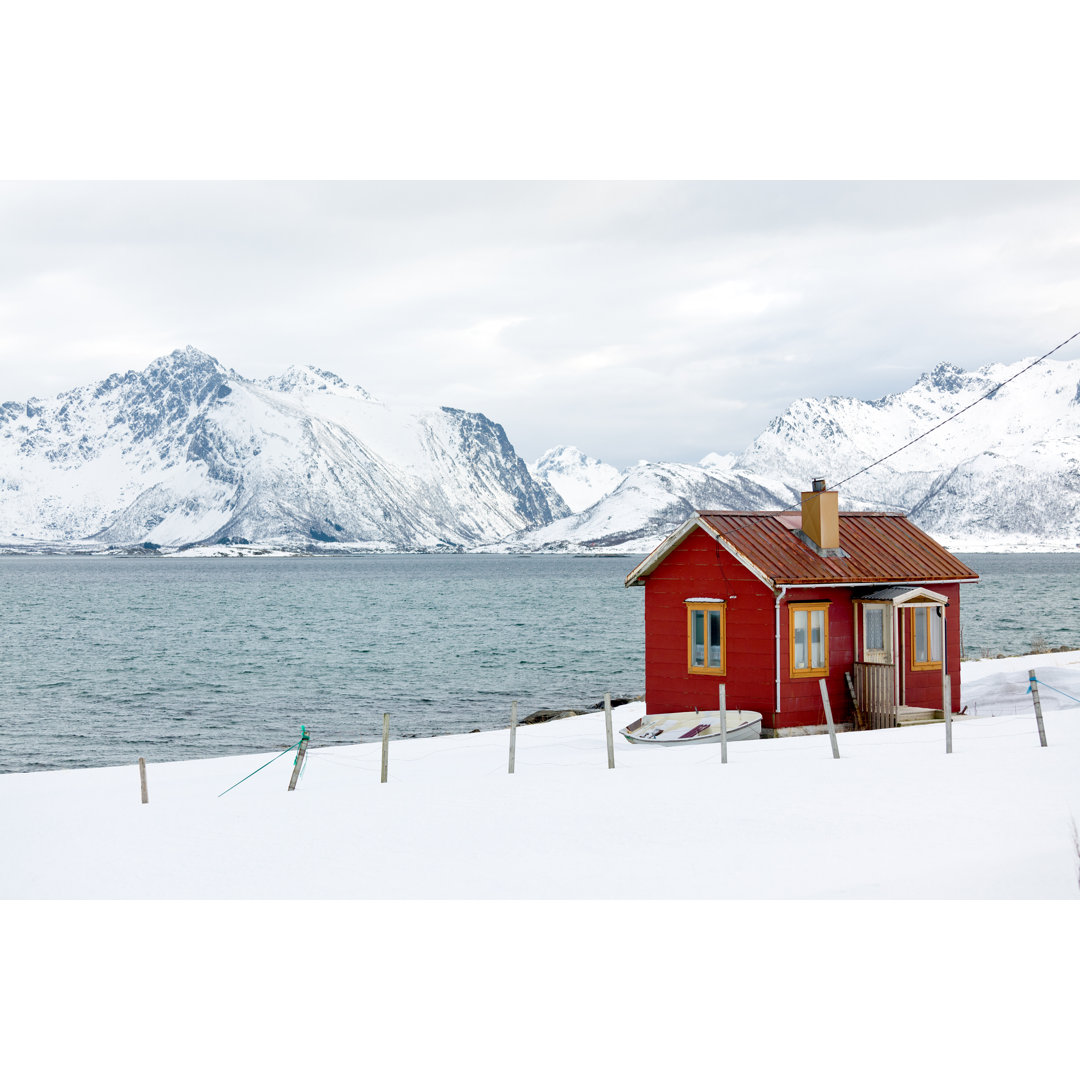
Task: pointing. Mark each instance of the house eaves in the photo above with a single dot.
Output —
(879, 549)
(640, 572)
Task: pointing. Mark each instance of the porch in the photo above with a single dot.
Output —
(908, 715)
(873, 692)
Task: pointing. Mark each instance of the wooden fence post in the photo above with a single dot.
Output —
(828, 717)
(513, 735)
(142, 780)
(607, 728)
(385, 746)
(723, 724)
(299, 760)
(947, 709)
(1034, 684)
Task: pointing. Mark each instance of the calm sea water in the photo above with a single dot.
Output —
(1021, 602)
(107, 659)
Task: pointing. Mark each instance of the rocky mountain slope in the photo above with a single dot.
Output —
(1004, 475)
(190, 452)
(650, 500)
(579, 480)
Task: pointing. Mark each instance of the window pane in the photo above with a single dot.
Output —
(817, 639)
(800, 639)
(716, 640)
(935, 636)
(697, 639)
(920, 635)
(875, 629)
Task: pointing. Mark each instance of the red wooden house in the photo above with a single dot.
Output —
(770, 603)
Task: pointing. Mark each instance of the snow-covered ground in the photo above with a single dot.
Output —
(894, 817)
(740, 978)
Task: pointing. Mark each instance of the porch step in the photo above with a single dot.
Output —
(909, 716)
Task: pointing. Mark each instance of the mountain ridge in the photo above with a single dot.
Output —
(1003, 476)
(187, 452)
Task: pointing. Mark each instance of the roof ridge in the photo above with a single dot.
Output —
(879, 548)
(786, 513)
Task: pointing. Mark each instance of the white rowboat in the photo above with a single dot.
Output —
(680, 728)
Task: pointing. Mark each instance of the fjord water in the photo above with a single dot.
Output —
(107, 659)
(1022, 603)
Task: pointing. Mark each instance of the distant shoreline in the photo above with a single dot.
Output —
(258, 550)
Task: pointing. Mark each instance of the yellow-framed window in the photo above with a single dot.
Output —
(706, 638)
(809, 639)
(925, 638)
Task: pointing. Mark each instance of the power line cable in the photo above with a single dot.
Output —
(959, 412)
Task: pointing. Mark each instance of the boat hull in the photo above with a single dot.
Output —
(682, 729)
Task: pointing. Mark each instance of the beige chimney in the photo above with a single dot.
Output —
(821, 516)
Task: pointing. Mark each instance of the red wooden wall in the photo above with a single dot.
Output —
(924, 687)
(800, 697)
(700, 567)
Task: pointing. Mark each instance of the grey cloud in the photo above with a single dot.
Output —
(656, 320)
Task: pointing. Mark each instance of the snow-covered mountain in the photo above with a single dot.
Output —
(650, 500)
(1004, 475)
(188, 451)
(578, 479)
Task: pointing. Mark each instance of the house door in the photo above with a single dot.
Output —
(875, 665)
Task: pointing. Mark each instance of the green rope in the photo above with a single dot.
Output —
(303, 735)
(1049, 687)
(261, 767)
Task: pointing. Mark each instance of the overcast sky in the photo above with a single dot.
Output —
(656, 320)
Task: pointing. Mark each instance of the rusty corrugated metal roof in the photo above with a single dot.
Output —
(879, 547)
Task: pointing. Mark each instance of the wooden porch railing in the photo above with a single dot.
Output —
(875, 694)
